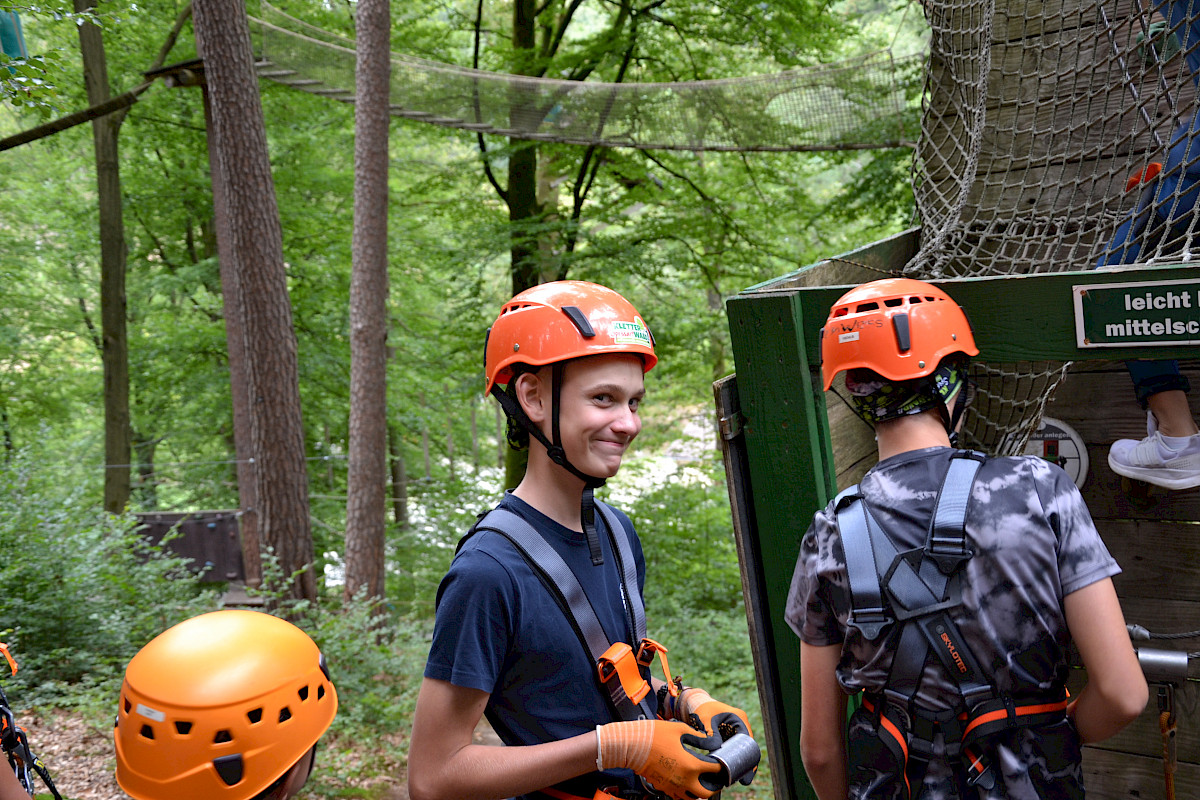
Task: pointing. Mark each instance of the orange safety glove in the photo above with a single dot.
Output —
(698, 709)
(654, 749)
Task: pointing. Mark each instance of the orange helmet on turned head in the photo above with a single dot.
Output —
(562, 320)
(898, 327)
(220, 706)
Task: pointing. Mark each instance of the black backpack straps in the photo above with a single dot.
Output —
(555, 574)
(946, 545)
(629, 583)
(867, 611)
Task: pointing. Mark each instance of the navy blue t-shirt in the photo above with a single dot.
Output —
(498, 629)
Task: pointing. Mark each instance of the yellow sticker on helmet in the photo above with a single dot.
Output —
(634, 332)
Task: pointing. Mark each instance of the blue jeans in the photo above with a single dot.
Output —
(1169, 200)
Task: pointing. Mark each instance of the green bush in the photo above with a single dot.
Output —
(80, 590)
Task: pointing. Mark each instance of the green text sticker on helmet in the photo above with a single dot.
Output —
(634, 332)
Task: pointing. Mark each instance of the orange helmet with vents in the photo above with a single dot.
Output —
(562, 320)
(220, 706)
(898, 327)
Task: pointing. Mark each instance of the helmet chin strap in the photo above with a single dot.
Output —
(951, 418)
(554, 449)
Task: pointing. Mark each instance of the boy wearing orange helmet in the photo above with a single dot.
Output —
(540, 620)
(224, 706)
(946, 587)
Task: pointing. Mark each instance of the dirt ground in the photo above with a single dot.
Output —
(81, 762)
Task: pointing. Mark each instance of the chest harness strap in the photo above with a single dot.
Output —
(619, 669)
(908, 595)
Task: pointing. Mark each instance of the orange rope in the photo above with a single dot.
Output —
(1166, 724)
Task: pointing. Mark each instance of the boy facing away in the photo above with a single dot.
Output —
(947, 587)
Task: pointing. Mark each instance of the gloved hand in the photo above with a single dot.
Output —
(698, 709)
(654, 749)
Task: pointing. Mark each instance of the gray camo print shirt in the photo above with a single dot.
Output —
(1034, 543)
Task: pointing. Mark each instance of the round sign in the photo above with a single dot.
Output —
(1056, 441)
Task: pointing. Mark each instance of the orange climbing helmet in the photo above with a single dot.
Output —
(220, 706)
(562, 320)
(900, 328)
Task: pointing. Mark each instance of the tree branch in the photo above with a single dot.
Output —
(483, 151)
(118, 103)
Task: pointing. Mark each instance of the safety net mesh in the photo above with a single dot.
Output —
(1041, 126)
(857, 103)
(1055, 136)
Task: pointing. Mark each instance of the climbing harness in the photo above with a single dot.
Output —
(922, 586)
(15, 743)
(619, 668)
(621, 671)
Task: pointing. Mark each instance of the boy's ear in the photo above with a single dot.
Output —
(531, 396)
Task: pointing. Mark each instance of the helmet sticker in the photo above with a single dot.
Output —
(151, 713)
(848, 337)
(634, 332)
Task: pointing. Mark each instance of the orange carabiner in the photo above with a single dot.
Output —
(645, 657)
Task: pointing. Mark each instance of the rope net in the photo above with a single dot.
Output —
(855, 104)
(1044, 127)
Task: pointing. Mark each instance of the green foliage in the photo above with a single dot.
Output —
(82, 590)
(25, 84)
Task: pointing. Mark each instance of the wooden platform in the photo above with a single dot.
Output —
(1155, 537)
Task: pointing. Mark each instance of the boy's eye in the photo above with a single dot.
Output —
(634, 403)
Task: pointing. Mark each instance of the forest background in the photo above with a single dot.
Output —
(676, 232)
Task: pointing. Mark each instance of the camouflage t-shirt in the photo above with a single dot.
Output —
(1034, 543)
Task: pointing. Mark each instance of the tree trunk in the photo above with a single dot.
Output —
(522, 196)
(399, 478)
(366, 504)
(239, 370)
(254, 241)
(115, 351)
(145, 447)
(425, 436)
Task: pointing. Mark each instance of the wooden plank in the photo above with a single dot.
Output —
(1143, 736)
(1025, 317)
(1160, 613)
(1097, 400)
(1019, 19)
(857, 266)
(791, 471)
(1116, 776)
(731, 422)
(1158, 559)
(854, 450)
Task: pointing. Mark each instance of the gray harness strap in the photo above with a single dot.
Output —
(562, 583)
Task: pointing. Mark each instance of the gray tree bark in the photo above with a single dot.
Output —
(253, 241)
(366, 504)
(114, 353)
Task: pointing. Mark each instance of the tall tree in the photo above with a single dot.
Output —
(249, 232)
(114, 337)
(366, 503)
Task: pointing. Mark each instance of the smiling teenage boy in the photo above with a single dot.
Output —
(550, 577)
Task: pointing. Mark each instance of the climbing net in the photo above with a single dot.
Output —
(1043, 125)
(859, 103)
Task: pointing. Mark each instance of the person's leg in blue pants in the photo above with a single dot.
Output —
(1170, 453)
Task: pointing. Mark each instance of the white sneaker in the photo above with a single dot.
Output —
(1152, 461)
